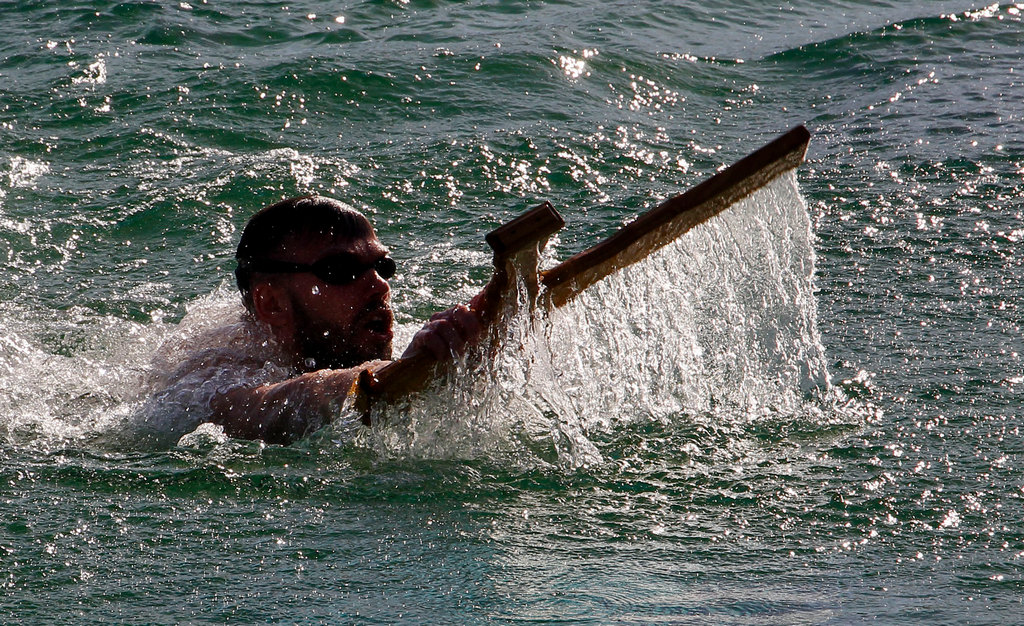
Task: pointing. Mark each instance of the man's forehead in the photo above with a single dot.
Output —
(316, 245)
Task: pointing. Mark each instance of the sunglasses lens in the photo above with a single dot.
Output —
(342, 270)
(385, 267)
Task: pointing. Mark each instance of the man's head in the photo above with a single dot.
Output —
(313, 269)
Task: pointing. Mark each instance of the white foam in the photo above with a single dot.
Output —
(25, 172)
(94, 74)
(723, 321)
(64, 376)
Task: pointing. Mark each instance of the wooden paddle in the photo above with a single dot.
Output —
(517, 246)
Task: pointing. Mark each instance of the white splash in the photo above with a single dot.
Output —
(57, 395)
(725, 317)
(723, 321)
(79, 379)
(94, 74)
(25, 172)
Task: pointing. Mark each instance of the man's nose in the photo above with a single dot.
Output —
(375, 280)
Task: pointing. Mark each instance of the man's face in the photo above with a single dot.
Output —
(338, 326)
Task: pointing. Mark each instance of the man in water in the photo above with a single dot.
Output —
(313, 278)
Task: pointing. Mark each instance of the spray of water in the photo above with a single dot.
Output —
(67, 375)
(721, 323)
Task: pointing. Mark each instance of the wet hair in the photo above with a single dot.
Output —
(268, 233)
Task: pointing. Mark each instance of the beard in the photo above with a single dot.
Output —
(322, 345)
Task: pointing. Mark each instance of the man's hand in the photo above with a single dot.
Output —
(447, 334)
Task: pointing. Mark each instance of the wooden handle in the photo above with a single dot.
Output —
(528, 231)
(538, 223)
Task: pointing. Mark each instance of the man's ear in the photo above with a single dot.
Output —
(271, 305)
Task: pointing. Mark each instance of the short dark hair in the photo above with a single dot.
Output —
(266, 234)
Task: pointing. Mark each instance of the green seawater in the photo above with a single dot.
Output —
(836, 450)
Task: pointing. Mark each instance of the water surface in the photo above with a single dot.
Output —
(770, 446)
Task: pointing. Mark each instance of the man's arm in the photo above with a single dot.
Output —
(447, 334)
(284, 412)
(287, 411)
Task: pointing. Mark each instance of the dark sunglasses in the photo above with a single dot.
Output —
(338, 269)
